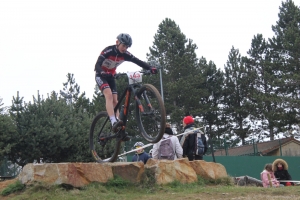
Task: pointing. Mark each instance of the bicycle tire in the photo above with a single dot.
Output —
(151, 123)
(109, 151)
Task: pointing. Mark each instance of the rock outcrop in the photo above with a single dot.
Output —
(208, 170)
(81, 174)
(75, 174)
(166, 171)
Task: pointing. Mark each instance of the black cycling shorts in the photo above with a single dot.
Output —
(104, 83)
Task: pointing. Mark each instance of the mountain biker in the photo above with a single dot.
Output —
(110, 58)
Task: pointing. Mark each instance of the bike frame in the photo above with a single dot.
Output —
(132, 88)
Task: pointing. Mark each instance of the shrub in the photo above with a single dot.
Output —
(14, 187)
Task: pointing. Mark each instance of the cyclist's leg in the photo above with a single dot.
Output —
(105, 89)
(109, 104)
(113, 88)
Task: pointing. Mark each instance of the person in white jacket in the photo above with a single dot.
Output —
(175, 142)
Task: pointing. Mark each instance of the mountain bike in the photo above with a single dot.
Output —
(150, 118)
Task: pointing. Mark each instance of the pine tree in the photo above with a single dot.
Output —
(235, 93)
(8, 133)
(211, 97)
(262, 92)
(176, 54)
(285, 55)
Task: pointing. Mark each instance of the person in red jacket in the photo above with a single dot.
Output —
(108, 61)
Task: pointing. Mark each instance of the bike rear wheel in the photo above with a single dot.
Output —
(151, 116)
(104, 144)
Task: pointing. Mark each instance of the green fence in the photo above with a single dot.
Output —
(251, 165)
(9, 169)
(254, 165)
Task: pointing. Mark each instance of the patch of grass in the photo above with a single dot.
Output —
(221, 181)
(118, 188)
(118, 182)
(12, 188)
(148, 183)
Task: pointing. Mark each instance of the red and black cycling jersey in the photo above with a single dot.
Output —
(110, 58)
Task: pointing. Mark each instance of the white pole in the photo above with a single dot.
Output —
(150, 144)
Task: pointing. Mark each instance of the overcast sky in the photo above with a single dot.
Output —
(41, 41)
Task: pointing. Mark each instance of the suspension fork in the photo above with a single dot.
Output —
(139, 102)
(126, 106)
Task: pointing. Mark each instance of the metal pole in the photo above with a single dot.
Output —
(226, 149)
(253, 146)
(280, 147)
(161, 85)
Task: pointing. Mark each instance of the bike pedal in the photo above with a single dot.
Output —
(117, 126)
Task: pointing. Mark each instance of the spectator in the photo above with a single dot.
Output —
(150, 153)
(268, 178)
(280, 168)
(140, 155)
(188, 140)
(176, 147)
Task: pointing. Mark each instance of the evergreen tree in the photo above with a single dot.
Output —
(16, 111)
(176, 54)
(262, 92)
(2, 108)
(285, 55)
(71, 93)
(235, 93)
(51, 131)
(211, 97)
(8, 132)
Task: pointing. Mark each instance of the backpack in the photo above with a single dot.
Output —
(199, 146)
(166, 150)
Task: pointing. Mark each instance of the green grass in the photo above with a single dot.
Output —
(12, 188)
(118, 188)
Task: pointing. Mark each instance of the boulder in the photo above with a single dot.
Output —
(155, 171)
(208, 170)
(167, 171)
(131, 171)
(75, 174)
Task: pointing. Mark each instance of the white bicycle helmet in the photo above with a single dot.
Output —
(138, 144)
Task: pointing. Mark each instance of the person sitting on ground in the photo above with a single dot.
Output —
(140, 155)
(176, 147)
(268, 178)
(280, 168)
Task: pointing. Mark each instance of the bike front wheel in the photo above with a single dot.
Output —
(150, 113)
(104, 143)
